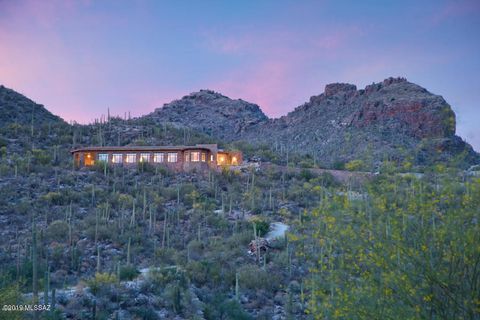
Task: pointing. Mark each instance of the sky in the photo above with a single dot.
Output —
(80, 58)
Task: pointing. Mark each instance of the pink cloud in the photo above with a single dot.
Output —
(282, 59)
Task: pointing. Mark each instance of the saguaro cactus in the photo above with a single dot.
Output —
(237, 287)
(98, 258)
(132, 220)
(46, 287)
(34, 266)
(128, 251)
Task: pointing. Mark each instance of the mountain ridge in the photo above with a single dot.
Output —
(393, 119)
(390, 120)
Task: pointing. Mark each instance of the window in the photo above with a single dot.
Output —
(144, 157)
(195, 156)
(204, 157)
(158, 157)
(234, 160)
(103, 157)
(117, 158)
(221, 159)
(186, 157)
(131, 158)
(211, 158)
(172, 157)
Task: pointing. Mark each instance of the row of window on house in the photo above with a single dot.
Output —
(171, 157)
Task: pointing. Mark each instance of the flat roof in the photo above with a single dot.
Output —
(141, 148)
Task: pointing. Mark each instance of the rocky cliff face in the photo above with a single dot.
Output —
(393, 119)
(16, 108)
(212, 113)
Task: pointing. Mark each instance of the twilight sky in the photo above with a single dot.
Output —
(80, 57)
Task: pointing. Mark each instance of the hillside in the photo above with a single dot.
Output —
(394, 119)
(212, 113)
(16, 108)
(143, 242)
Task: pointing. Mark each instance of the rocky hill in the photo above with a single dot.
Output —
(212, 113)
(16, 108)
(393, 119)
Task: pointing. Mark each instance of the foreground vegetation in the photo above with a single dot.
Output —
(147, 243)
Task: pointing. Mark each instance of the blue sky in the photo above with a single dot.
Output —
(79, 58)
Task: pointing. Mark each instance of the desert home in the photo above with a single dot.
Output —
(179, 158)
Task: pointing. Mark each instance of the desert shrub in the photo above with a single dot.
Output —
(102, 283)
(355, 165)
(306, 174)
(57, 231)
(54, 198)
(253, 277)
(195, 249)
(223, 308)
(239, 239)
(3, 143)
(145, 167)
(261, 225)
(10, 295)
(338, 165)
(166, 256)
(128, 273)
(203, 272)
(41, 157)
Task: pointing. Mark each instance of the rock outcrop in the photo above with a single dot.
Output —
(212, 113)
(394, 119)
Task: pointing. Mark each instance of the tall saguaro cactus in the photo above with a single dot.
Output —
(128, 251)
(237, 288)
(34, 266)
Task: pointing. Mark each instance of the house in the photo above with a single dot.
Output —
(178, 158)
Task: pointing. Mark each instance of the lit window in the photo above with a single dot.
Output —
(103, 157)
(144, 157)
(172, 157)
(204, 157)
(186, 157)
(158, 157)
(131, 158)
(117, 158)
(211, 158)
(221, 159)
(195, 156)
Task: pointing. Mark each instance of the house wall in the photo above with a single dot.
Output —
(185, 158)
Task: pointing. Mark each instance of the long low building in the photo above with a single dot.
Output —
(179, 158)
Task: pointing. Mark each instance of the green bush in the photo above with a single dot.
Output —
(253, 277)
(54, 198)
(261, 224)
(41, 157)
(355, 165)
(338, 165)
(128, 273)
(102, 283)
(57, 231)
